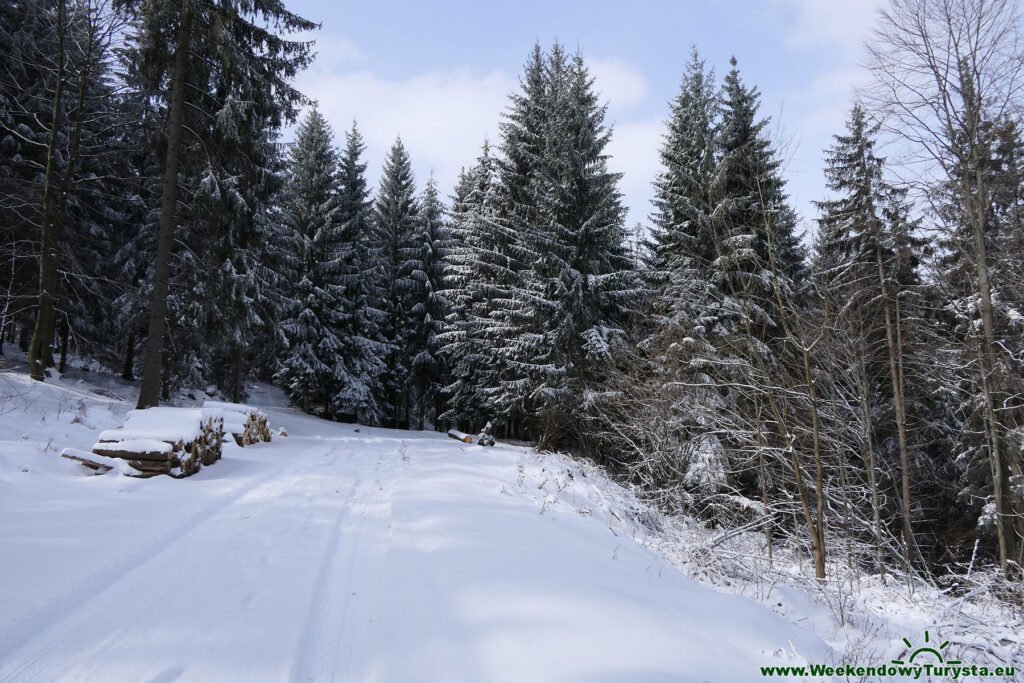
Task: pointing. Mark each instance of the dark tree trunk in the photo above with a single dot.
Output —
(40, 351)
(53, 209)
(149, 393)
(236, 378)
(128, 373)
(65, 332)
(165, 380)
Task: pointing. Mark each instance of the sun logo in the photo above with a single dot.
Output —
(926, 649)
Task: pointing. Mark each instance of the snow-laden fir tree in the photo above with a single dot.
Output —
(574, 296)
(758, 259)
(27, 47)
(682, 243)
(476, 280)
(669, 375)
(424, 269)
(211, 67)
(364, 353)
(235, 233)
(505, 254)
(396, 214)
(310, 207)
(58, 131)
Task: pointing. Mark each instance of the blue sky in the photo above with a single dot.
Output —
(439, 73)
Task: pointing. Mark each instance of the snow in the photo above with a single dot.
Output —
(329, 554)
(235, 415)
(163, 424)
(133, 445)
(375, 555)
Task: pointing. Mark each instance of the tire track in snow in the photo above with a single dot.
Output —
(66, 605)
(317, 604)
(339, 628)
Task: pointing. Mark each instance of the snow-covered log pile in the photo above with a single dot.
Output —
(247, 424)
(485, 438)
(174, 441)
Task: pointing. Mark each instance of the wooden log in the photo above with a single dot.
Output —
(146, 475)
(460, 436)
(147, 467)
(213, 439)
(94, 466)
(133, 455)
(199, 451)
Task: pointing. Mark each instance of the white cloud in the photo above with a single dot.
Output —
(834, 31)
(634, 153)
(442, 117)
(619, 84)
(840, 23)
(336, 52)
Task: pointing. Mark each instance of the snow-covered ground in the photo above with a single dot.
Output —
(357, 554)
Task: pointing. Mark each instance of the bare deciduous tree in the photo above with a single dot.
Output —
(944, 70)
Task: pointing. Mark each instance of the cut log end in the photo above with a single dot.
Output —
(460, 436)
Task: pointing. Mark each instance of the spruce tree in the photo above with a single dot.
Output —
(364, 354)
(572, 300)
(424, 268)
(310, 210)
(210, 65)
(758, 259)
(235, 233)
(868, 256)
(396, 215)
(687, 302)
(681, 242)
(475, 280)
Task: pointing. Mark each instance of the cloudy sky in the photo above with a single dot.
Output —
(439, 73)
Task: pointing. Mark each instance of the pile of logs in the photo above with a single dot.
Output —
(246, 424)
(173, 441)
(484, 438)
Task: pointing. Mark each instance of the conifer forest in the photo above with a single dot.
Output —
(175, 212)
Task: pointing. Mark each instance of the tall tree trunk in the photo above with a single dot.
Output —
(128, 373)
(40, 350)
(149, 393)
(868, 453)
(814, 529)
(236, 378)
(65, 332)
(899, 405)
(819, 475)
(54, 210)
(764, 484)
(165, 380)
(997, 459)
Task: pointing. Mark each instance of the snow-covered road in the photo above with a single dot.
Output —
(343, 555)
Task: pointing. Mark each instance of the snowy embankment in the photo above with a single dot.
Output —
(352, 553)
